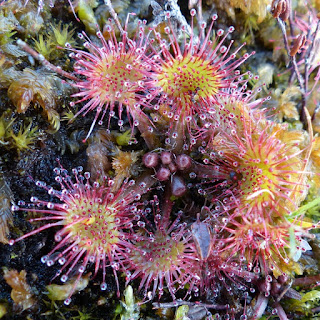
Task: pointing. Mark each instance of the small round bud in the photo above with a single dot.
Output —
(163, 174)
(172, 167)
(183, 162)
(150, 159)
(166, 157)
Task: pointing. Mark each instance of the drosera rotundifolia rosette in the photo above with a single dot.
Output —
(94, 220)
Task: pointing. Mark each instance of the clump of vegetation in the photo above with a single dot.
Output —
(258, 8)
(21, 293)
(56, 38)
(20, 138)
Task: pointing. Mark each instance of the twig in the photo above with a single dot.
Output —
(292, 58)
(310, 51)
(24, 46)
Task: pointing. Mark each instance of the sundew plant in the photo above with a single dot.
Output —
(158, 160)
